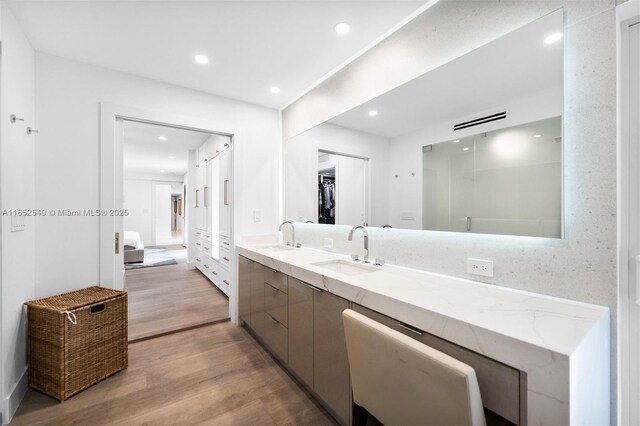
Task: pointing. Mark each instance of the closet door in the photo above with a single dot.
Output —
(206, 192)
(213, 215)
(225, 194)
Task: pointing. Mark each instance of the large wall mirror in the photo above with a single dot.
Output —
(475, 145)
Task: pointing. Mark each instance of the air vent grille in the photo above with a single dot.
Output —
(481, 120)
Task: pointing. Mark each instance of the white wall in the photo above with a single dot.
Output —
(17, 89)
(582, 266)
(139, 200)
(67, 159)
(162, 213)
(301, 166)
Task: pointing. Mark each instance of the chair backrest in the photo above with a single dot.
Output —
(401, 381)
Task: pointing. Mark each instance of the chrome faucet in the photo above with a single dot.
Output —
(366, 240)
(293, 234)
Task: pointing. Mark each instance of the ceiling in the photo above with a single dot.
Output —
(513, 68)
(145, 154)
(251, 45)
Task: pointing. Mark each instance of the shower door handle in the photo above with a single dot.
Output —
(467, 223)
(226, 192)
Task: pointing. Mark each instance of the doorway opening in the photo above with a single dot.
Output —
(166, 292)
(343, 189)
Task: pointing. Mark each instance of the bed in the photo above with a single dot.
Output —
(133, 247)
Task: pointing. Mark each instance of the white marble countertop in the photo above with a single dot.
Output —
(534, 333)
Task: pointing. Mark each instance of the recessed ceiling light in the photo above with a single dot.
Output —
(162, 138)
(372, 113)
(456, 141)
(465, 149)
(342, 28)
(274, 90)
(553, 38)
(171, 157)
(201, 59)
(537, 136)
(162, 171)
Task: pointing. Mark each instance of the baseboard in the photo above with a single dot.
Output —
(11, 403)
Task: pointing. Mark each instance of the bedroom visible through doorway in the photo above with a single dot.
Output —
(166, 293)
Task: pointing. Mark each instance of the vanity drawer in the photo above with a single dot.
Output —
(276, 336)
(275, 304)
(275, 279)
(499, 383)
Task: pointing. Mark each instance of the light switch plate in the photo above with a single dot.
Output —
(256, 216)
(483, 267)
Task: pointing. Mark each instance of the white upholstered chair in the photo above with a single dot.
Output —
(401, 381)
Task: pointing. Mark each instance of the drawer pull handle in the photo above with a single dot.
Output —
(226, 282)
(214, 272)
(275, 321)
(206, 266)
(197, 260)
(97, 308)
(198, 244)
(226, 258)
(311, 287)
(411, 329)
(225, 243)
(206, 248)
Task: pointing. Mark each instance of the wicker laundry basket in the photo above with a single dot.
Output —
(76, 339)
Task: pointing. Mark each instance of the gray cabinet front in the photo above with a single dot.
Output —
(245, 276)
(301, 330)
(330, 362)
(257, 299)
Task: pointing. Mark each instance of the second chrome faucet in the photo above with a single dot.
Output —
(366, 240)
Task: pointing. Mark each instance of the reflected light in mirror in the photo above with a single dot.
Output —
(510, 145)
(456, 141)
(373, 113)
(553, 38)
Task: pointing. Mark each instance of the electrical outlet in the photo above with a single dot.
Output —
(481, 267)
(328, 243)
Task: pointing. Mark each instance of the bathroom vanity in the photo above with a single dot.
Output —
(538, 359)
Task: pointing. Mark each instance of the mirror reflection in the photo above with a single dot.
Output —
(452, 150)
(508, 181)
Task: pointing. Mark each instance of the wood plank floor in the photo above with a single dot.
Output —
(215, 375)
(168, 298)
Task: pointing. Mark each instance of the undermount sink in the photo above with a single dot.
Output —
(346, 267)
(276, 248)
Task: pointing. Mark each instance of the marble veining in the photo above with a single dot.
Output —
(537, 334)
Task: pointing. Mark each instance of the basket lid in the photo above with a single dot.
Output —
(75, 299)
